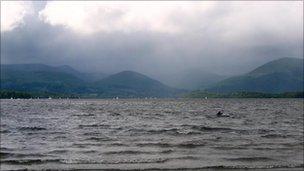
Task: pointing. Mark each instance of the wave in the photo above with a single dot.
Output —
(249, 159)
(98, 139)
(191, 144)
(152, 131)
(94, 126)
(28, 161)
(58, 151)
(59, 137)
(147, 161)
(227, 130)
(84, 115)
(85, 145)
(159, 131)
(275, 136)
(6, 149)
(134, 152)
(115, 114)
(56, 132)
(171, 131)
(4, 131)
(34, 128)
(123, 161)
(229, 148)
(158, 144)
(220, 167)
(118, 144)
(89, 151)
(20, 155)
(152, 160)
(206, 128)
(186, 144)
(5, 154)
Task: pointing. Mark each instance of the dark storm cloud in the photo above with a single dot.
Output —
(209, 46)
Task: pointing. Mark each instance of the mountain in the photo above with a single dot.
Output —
(193, 79)
(40, 77)
(133, 84)
(66, 80)
(277, 76)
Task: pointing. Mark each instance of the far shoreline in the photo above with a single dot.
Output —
(198, 94)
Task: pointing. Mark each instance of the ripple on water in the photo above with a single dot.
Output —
(160, 133)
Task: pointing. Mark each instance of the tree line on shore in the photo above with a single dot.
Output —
(8, 94)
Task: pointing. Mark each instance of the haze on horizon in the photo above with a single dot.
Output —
(154, 38)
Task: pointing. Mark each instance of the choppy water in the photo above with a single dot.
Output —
(145, 134)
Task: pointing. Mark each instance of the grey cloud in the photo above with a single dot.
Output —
(156, 54)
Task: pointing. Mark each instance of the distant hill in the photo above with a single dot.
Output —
(194, 79)
(133, 84)
(91, 77)
(66, 80)
(281, 75)
(40, 77)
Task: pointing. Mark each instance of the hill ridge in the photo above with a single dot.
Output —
(277, 76)
(65, 79)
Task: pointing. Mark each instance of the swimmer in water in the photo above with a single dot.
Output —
(219, 113)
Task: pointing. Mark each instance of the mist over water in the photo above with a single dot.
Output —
(159, 134)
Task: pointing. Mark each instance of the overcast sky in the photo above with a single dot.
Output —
(155, 38)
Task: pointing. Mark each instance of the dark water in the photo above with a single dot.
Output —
(145, 134)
